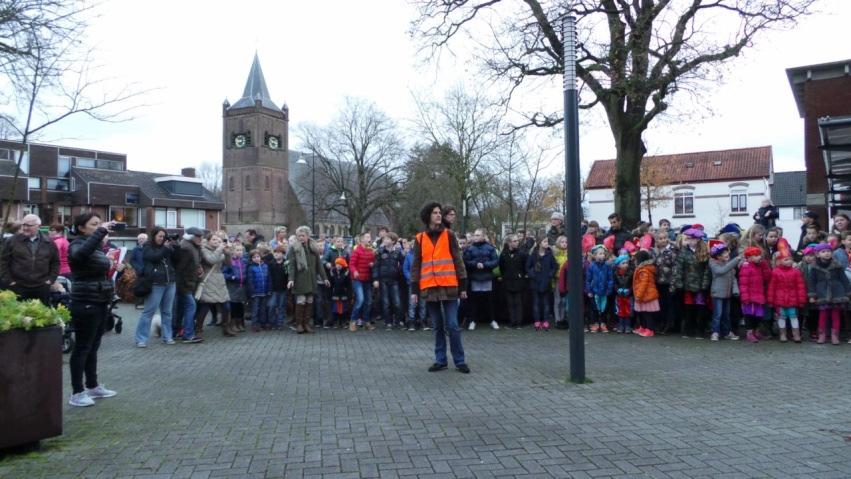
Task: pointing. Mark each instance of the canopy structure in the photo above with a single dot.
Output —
(835, 144)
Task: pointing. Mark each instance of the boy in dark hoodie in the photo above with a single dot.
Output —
(386, 273)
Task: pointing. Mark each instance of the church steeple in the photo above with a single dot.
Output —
(255, 89)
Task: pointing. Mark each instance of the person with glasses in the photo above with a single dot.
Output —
(29, 263)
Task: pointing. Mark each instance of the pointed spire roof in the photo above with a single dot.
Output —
(255, 88)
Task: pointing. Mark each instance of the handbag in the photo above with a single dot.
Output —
(200, 289)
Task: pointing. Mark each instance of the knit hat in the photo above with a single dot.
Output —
(694, 233)
(752, 251)
(821, 247)
(731, 228)
(557, 216)
(717, 250)
(642, 256)
(341, 261)
(809, 250)
(620, 259)
(598, 248)
(684, 228)
(697, 226)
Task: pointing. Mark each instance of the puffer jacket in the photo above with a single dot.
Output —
(753, 277)
(387, 267)
(512, 266)
(484, 253)
(787, 288)
(828, 284)
(723, 278)
(341, 284)
(599, 279)
(215, 290)
(89, 267)
(157, 263)
(234, 274)
(644, 282)
(361, 262)
(666, 261)
(257, 280)
(689, 273)
(541, 271)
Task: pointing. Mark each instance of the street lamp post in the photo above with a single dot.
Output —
(312, 189)
(573, 200)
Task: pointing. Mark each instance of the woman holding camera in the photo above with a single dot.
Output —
(159, 271)
(90, 298)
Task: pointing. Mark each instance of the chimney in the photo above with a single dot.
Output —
(188, 172)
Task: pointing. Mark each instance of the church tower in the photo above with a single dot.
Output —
(255, 142)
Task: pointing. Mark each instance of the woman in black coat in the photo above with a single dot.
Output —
(512, 267)
(767, 214)
(90, 296)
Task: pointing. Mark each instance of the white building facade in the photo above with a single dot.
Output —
(709, 188)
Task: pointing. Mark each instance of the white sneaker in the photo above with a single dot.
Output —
(714, 337)
(81, 400)
(100, 392)
(494, 324)
(472, 326)
(731, 337)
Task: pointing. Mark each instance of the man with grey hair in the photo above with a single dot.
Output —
(29, 263)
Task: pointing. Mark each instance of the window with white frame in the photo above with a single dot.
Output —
(4, 154)
(63, 167)
(29, 209)
(684, 203)
(739, 201)
(797, 212)
(124, 215)
(85, 162)
(192, 218)
(63, 214)
(166, 218)
(34, 183)
(25, 161)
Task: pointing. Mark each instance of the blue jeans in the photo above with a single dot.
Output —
(721, 316)
(444, 318)
(363, 300)
(390, 297)
(276, 308)
(187, 309)
(162, 298)
(418, 309)
(541, 303)
(258, 311)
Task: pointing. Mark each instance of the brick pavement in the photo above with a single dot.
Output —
(338, 405)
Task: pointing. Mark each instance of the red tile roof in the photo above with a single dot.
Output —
(696, 167)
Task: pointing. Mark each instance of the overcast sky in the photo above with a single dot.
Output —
(193, 55)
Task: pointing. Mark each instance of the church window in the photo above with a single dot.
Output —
(268, 183)
(231, 183)
(247, 182)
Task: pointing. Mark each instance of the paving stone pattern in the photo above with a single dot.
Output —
(360, 405)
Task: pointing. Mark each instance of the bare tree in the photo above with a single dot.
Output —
(51, 78)
(469, 124)
(359, 154)
(635, 55)
(211, 174)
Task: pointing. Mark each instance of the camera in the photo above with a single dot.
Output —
(173, 237)
(119, 226)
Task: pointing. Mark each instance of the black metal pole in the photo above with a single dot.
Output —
(573, 206)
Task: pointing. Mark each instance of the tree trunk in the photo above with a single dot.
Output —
(630, 151)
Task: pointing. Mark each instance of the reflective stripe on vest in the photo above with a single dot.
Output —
(438, 267)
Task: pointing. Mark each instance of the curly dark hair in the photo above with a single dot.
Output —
(425, 211)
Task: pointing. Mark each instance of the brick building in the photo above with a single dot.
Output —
(823, 95)
(58, 182)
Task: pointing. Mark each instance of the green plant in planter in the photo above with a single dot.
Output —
(30, 314)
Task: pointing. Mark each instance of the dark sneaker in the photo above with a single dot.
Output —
(194, 340)
(463, 368)
(437, 367)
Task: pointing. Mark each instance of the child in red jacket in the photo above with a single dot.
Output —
(753, 277)
(786, 292)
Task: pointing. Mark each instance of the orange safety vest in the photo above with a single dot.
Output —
(438, 267)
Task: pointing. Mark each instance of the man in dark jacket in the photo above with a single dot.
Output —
(188, 268)
(386, 274)
(621, 235)
(556, 228)
(512, 267)
(29, 263)
(809, 218)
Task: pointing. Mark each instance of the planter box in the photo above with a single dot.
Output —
(30, 385)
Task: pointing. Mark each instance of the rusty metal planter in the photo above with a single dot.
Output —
(30, 385)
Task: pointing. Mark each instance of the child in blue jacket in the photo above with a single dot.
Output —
(599, 283)
(257, 289)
